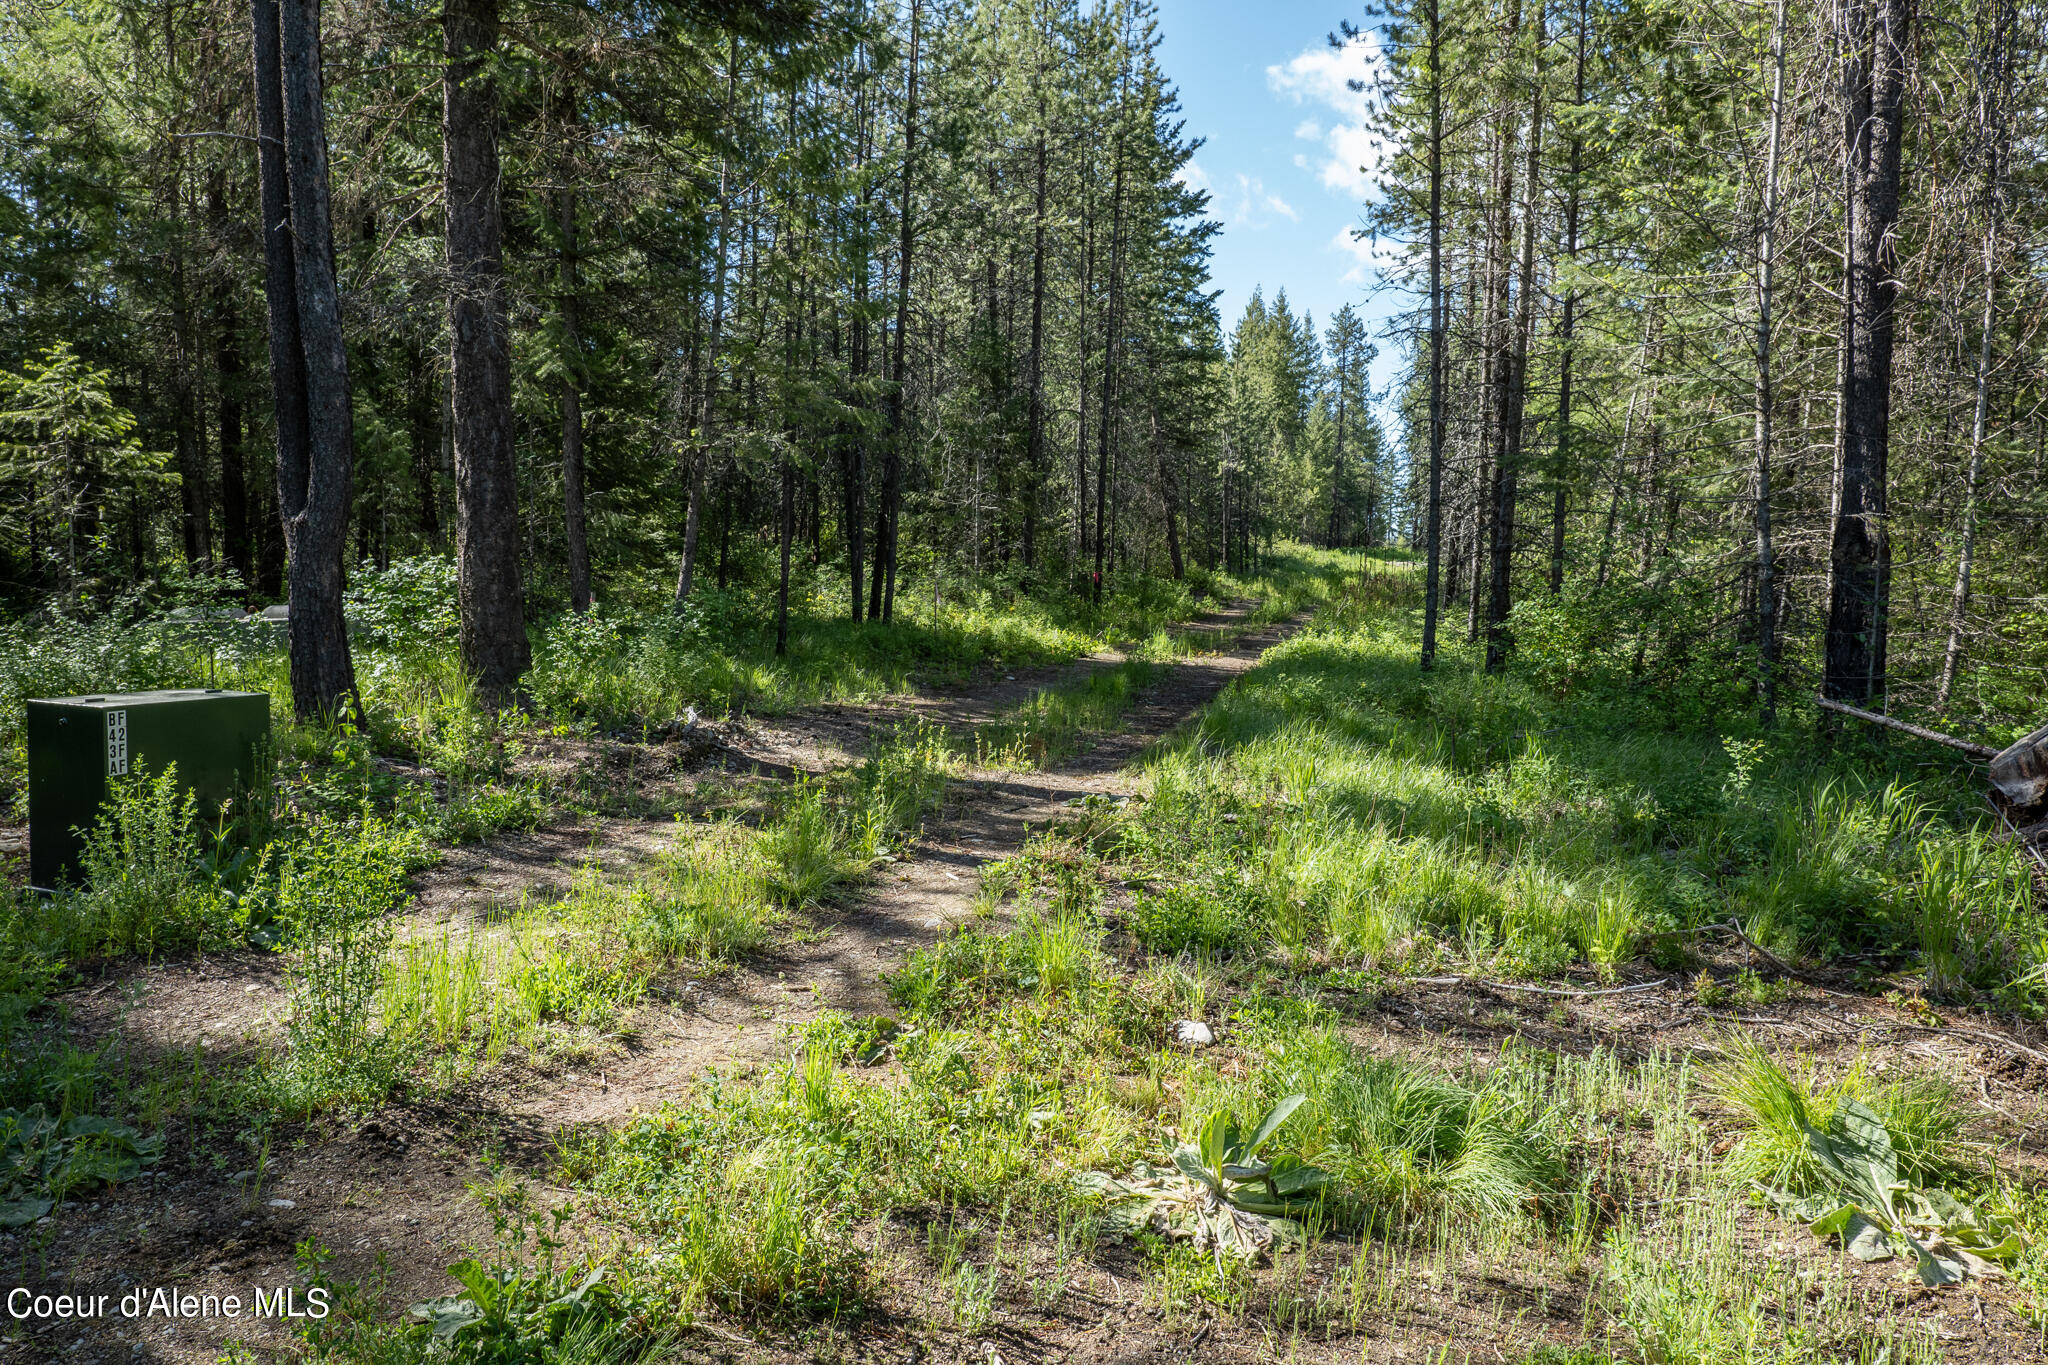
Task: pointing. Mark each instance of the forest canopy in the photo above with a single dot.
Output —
(631, 303)
(1719, 325)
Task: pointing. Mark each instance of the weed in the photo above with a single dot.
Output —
(335, 892)
(1922, 1117)
(806, 849)
(143, 887)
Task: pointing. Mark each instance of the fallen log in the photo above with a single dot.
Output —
(1978, 751)
(2019, 771)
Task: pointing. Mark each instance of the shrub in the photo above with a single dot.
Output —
(407, 609)
(336, 890)
(143, 887)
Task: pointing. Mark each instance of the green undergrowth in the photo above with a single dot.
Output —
(618, 666)
(1026, 1080)
(1023, 1119)
(1336, 803)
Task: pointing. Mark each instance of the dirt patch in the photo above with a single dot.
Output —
(391, 1199)
(739, 1019)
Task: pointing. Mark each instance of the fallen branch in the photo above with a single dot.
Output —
(1993, 1039)
(1982, 752)
(1548, 990)
(1534, 990)
(1734, 926)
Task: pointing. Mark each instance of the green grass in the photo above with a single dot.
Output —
(1337, 801)
(719, 655)
(1776, 1107)
(1335, 823)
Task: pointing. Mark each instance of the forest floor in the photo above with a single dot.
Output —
(392, 1196)
(384, 1201)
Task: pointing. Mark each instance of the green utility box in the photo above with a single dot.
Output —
(79, 746)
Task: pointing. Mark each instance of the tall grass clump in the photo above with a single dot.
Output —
(1407, 1144)
(1973, 910)
(1777, 1109)
(806, 849)
(900, 781)
(706, 899)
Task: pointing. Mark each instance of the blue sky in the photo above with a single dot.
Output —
(1285, 140)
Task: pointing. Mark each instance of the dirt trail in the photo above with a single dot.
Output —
(392, 1197)
(737, 1020)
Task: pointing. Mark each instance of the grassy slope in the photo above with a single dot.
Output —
(1337, 821)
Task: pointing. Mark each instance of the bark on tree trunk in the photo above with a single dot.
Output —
(423, 425)
(701, 456)
(309, 360)
(883, 601)
(1993, 96)
(1516, 390)
(1034, 438)
(1766, 558)
(1433, 537)
(227, 366)
(574, 525)
(1874, 38)
(1169, 493)
(788, 535)
(493, 618)
(1567, 323)
(234, 477)
(1105, 422)
(1337, 456)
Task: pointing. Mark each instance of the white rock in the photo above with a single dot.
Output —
(282, 1204)
(1193, 1032)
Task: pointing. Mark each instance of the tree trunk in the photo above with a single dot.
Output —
(1337, 456)
(1104, 419)
(309, 360)
(1994, 91)
(1874, 39)
(493, 619)
(423, 434)
(1515, 392)
(1034, 437)
(882, 601)
(1433, 538)
(1562, 480)
(788, 535)
(1766, 559)
(1496, 338)
(701, 457)
(574, 524)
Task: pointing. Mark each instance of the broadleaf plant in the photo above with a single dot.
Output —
(1218, 1193)
(1876, 1215)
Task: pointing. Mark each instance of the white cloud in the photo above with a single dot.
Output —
(1254, 192)
(1193, 176)
(1247, 204)
(1323, 75)
(1369, 257)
